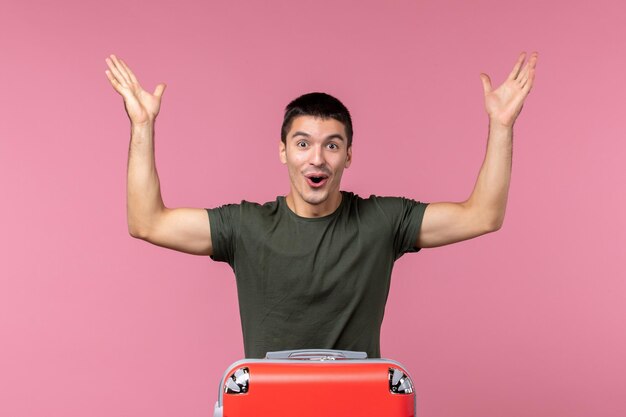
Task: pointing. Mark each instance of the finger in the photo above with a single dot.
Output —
(158, 91)
(518, 65)
(486, 83)
(526, 87)
(532, 61)
(529, 84)
(113, 81)
(130, 73)
(116, 73)
(523, 75)
(522, 81)
(121, 69)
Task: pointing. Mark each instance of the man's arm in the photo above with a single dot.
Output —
(483, 211)
(182, 229)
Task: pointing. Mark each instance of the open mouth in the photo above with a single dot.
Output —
(316, 181)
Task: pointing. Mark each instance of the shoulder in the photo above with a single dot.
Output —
(264, 209)
(244, 211)
(380, 202)
(245, 205)
(392, 208)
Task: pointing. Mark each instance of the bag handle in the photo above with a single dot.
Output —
(316, 354)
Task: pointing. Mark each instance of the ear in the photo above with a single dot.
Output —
(349, 157)
(282, 152)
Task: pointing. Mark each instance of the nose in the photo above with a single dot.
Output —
(317, 156)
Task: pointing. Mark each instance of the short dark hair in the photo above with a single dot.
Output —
(320, 105)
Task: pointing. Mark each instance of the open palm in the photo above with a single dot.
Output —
(504, 104)
(141, 106)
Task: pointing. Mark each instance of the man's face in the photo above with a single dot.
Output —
(316, 153)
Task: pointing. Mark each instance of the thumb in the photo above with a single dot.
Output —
(486, 83)
(158, 91)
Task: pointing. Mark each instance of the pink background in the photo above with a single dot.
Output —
(528, 321)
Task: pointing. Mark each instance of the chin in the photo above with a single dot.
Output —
(316, 199)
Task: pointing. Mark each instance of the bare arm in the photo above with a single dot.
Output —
(182, 229)
(484, 210)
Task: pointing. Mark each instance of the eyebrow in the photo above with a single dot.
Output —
(333, 136)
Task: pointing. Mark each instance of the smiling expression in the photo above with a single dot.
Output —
(316, 152)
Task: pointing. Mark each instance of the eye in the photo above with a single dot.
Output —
(301, 144)
(333, 146)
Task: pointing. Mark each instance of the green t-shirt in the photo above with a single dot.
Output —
(318, 283)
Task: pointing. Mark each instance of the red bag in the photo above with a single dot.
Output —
(320, 383)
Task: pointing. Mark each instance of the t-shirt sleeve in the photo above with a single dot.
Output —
(224, 222)
(405, 217)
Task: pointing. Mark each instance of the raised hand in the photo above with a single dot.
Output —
(504, 104)
(141, 106)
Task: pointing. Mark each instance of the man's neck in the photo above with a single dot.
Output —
(304, 209)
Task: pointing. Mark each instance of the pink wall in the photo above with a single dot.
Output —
(528, 321)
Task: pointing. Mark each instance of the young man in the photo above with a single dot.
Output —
(313, 268)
